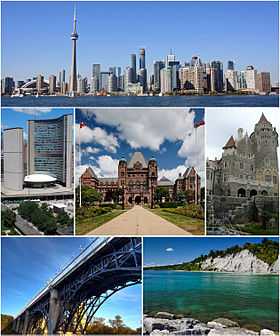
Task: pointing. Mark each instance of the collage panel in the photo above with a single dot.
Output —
(37, 165)
(242, 171)
(215, 286)
(71, 285)
(140, 171)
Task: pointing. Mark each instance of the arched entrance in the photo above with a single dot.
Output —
(253, 193)
(241, 192)
(137, 199)
(264, 193)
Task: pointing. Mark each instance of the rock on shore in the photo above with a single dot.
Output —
(164, 323)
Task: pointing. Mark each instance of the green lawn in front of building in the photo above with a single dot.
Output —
(193, 225)
(87, 224)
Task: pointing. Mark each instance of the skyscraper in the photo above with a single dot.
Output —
(230, 65)
(158, 65)
(217, 77)
(50, 143)
(142, 59)
(13, 158)
(52, 84)
(251, 77)
(73, 75)
(133, 66)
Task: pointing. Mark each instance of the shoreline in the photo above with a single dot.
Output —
(216, 272)
(162, 323)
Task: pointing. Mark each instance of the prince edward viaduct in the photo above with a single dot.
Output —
(69, 302)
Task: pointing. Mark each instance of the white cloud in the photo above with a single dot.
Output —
(145, 127)
(96, 135)
(105, 166)
(172, 174)
(90, 150)
(33, 111)
(169, 249)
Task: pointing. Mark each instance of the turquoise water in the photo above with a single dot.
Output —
(248, 299)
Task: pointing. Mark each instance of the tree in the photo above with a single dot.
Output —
(181, 197)
(8, 219)
(117, 323)
(161, 193)
(90, 196)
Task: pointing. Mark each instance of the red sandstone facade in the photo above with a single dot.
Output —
(137, 181)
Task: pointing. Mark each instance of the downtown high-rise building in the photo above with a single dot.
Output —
(50, 145)
(216, 76)
(158, 65)
(13, 159)
(263, 82)
(52, 84)
(251, 77)
(142, 72)
(95, 77)
(133, 67)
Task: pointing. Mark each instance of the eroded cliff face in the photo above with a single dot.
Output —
(244, 262)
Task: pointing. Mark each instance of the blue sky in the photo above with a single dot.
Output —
(28, 263)
(18, 117)
(164, 251)
(36, 35)
(165, 134)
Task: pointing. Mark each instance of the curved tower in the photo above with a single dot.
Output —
(73, 74)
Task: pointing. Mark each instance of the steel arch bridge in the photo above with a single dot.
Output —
(72, 298)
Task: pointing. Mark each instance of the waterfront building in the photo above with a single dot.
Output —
(13, 152)
(112, 83)
(263, 84)
(104, 80)
(158, 65)
(52, 84)
(133, 67)
(142, 73)
(251, 77)
(50, 145)
(81, 85)
(231, 80)
(166, 80)
(217, 77)
(95, 78)
(142, 78)
(73, 74)
(7, 85)
(40, 84)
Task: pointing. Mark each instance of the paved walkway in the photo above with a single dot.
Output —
(138, 221)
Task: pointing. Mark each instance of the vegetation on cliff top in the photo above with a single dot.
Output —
(266, 251)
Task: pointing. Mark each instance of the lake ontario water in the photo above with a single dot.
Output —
(124, 101)
(245, 298)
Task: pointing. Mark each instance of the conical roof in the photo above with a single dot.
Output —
(230, 143)
(137, 157)
(263, 120)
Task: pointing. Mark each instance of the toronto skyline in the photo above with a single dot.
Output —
(105, 39)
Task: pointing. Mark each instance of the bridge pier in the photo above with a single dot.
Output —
(54, 311)
(25, 322)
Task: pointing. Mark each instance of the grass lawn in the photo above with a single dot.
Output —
(84, 226)
(193, 225)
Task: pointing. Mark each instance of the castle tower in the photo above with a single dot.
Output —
(265, 139)
(73, 74)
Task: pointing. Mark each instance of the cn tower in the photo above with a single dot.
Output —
(73, 74)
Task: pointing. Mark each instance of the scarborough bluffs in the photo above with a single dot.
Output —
(250, 258)
(230, 292)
